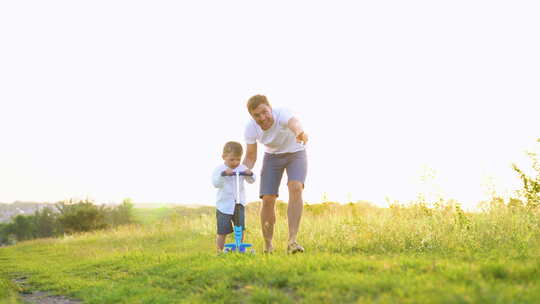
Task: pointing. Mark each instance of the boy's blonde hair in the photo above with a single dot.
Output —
(256, 101)
(233, 147)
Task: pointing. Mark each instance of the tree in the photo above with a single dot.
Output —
(531, 185)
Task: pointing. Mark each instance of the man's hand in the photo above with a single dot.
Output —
(248, 172)
(302, 137)
(295, 126)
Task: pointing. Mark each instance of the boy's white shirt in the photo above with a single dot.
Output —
(279, 138)
(226, 194)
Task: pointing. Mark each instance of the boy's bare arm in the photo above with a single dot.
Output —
(251, 156)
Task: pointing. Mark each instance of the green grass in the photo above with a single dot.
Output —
(355, 254)
(150, 215)
(8, 291)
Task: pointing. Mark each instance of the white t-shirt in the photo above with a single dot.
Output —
(279, 138)
(226, 194)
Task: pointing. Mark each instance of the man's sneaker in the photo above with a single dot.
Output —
(294, 248)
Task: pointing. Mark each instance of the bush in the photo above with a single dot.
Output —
(23, 227)
(71, 217)
(120, 215)
(3, 234)
(46, 223)
(82, 216)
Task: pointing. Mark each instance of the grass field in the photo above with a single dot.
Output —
(8, 291)
(356, 253)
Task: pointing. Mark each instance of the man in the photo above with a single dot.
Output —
(284, 139)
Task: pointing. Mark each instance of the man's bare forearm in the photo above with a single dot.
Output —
(295, 126)
(251, 155)
(249, 162)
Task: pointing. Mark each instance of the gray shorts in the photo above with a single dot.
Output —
(225, 221)
(273, 166)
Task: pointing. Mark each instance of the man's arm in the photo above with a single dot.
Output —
(251, 156)
(296, 128)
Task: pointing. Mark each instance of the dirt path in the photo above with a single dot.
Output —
(40, 297)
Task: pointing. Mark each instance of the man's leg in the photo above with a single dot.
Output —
(296, 172)
(294, 210)
(268, 219)
(272, 171)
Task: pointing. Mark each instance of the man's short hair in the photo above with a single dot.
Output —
(233, 147)
(256, 101)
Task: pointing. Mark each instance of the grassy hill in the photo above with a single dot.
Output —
(355, 254)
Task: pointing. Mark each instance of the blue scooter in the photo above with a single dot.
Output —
(237, 246)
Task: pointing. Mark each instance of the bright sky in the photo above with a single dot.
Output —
(117, 99)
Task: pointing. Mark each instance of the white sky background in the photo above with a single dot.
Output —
(117, 99)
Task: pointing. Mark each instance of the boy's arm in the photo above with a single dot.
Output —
(295, 126)
(217, 179)
(251, 156)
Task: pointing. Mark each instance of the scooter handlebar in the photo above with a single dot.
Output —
(243, 173)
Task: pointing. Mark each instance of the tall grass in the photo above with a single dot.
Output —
(415, 228)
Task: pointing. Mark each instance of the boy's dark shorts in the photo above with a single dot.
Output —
(273, 166)
(225, 221)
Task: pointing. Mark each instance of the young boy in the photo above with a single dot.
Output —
(228, 210)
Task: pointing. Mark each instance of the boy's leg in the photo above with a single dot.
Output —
(224, 227)
(220, 242)
(239, 218)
